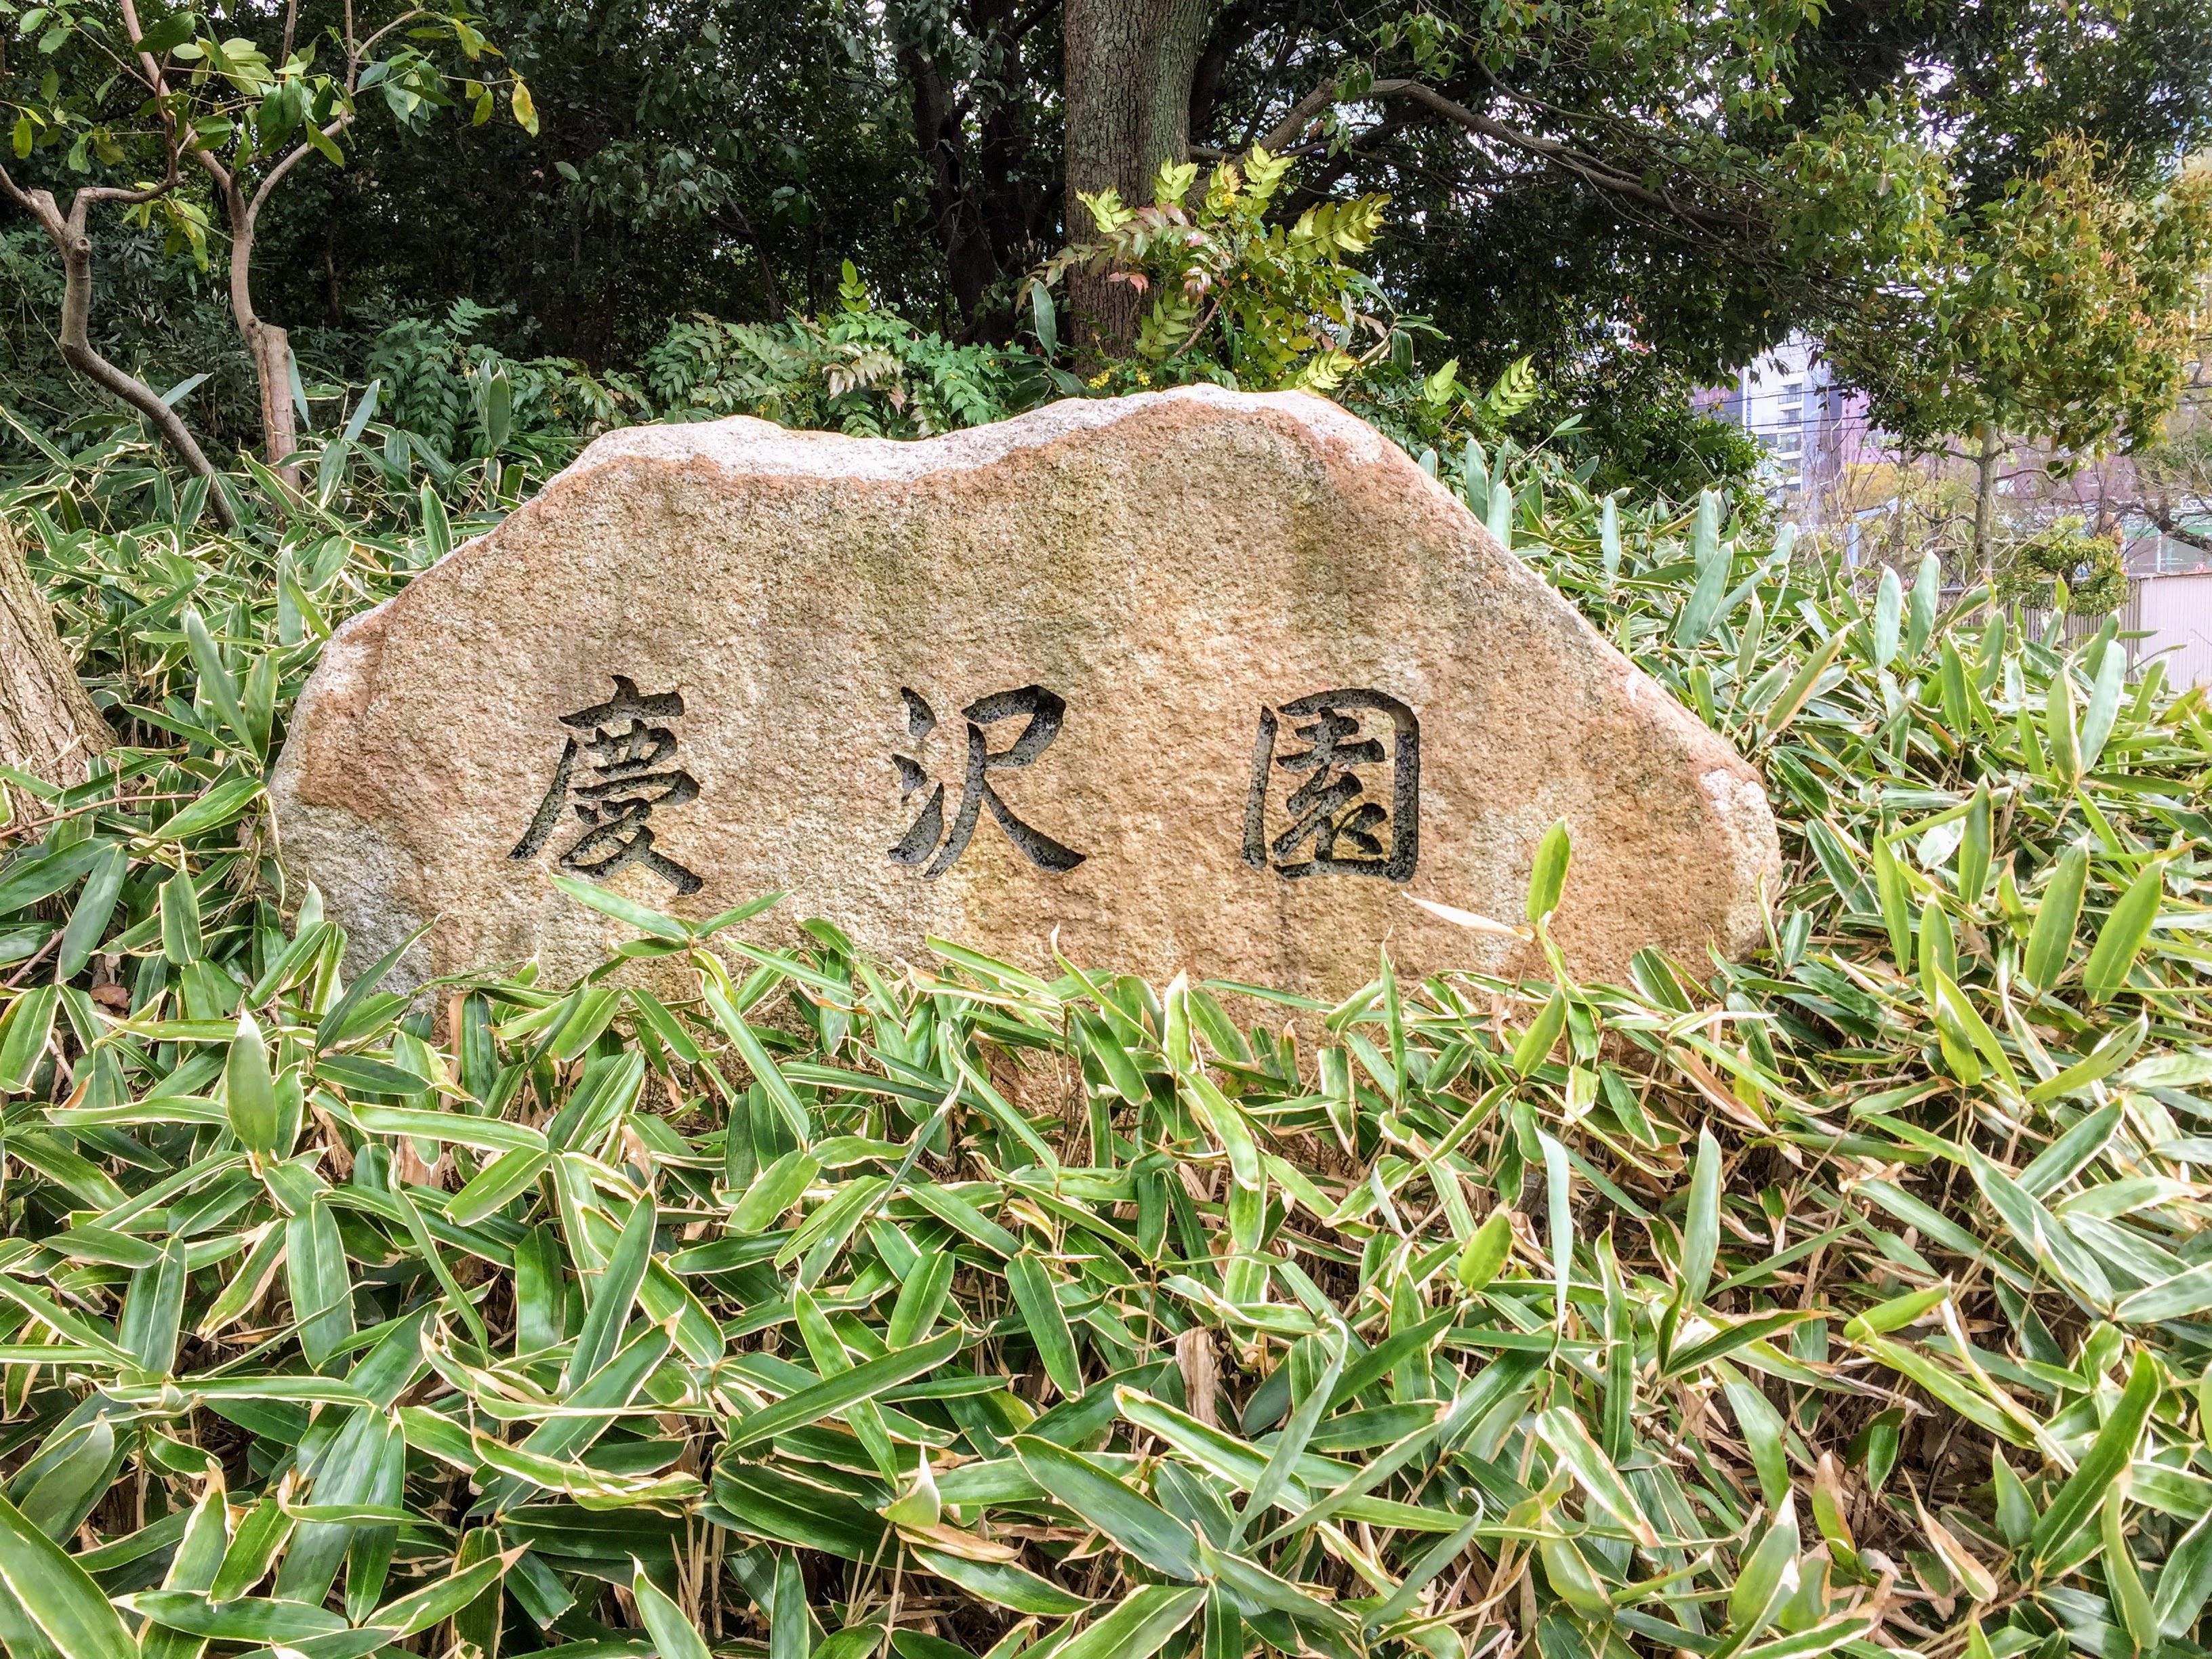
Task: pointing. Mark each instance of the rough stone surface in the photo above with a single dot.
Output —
(1168, 565)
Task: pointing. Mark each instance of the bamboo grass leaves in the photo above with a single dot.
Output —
(1852, 1300)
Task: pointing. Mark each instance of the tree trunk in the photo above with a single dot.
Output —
(1985, 493)
(971, 263)
(269, 346)
(272, 363)
(48, 727)
(1126, 81)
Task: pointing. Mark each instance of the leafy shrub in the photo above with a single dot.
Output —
(2065, 568)
(1846, 1300)
(1657, 443)
(1265, 305)
(859, 369)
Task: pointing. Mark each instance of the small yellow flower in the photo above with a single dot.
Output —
(1100, 379)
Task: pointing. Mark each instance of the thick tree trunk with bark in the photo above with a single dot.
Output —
(1126, 76)
(48, 727)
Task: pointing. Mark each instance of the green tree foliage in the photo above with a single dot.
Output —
(183, 125)
(859, 369)
(2058, 312)
(1630, 194)
(2055, 314)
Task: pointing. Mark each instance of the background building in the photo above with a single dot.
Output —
(1827, 470)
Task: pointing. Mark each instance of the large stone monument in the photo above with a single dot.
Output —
(1188, 680)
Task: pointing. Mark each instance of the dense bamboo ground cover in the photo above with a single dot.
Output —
(1853, 1298)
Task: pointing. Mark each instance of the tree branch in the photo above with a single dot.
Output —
(1589, 169)
(357, 55)
(73, 242)
(292, 159)
(2162, 515)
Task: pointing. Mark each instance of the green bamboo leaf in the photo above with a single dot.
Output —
(223, 805)
(154, 1310)
(1547, 875)
(645, 920)
(673, 1633)
(1763, 1585)
(1114, 1061)
(1139, 1627)
(503, 1180)
(453, 1128)
(1485, 1253)
(742, 1036)
(1571, 1579)
(766, 1503)
(25, 1031)
(410, 1614)
(321, 1287)
(1701, 1231)
(2097, 719)
(1893, 886)
(2107, 1458)
(1562, 1431)
(1103, 1500)
(1976, 848)
(833, 1394)
(1765, 1434)
(88, 918)
(1897, 1312)
(2124, 935)
(2187, 1292)
(1888, 614)
(335, 1024)
(41, 875)
(611, 1294)
(1032, 1289)
(1939, 948)
(2015, 1509)
(366, 1074)
(57, 1595)
(1253, 1586)
(217, 683)
(180, 919)
(920, 1300)
(2060, 740)
(790, 1625)
(2122, 1580)
(2185, 1582)
(1927, 595)
(775, 1190)
(2052, 940)
(1004, 1583)
(1794, 695)
(250, 1092)
(249, 1618)
(1313, 1383)
(1703, 608)
(193, 1567)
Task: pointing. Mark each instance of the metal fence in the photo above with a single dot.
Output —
(2170, 616)
(2073, 628)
